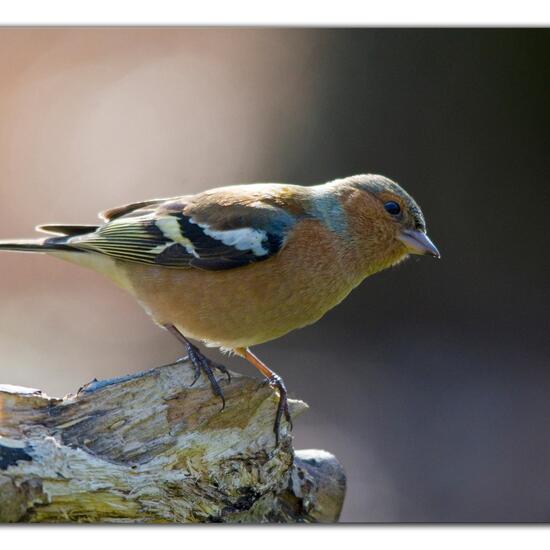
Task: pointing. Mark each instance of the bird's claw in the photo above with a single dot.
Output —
(276, 381)
(203, 364)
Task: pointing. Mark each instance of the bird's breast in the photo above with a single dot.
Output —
(250, 305)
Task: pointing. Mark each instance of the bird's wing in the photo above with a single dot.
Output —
(214, 230)
(119, 211)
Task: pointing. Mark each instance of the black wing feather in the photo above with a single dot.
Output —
(139, 237)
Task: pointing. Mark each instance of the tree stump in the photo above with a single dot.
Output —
(152, 448)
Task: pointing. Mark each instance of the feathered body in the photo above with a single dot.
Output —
(238, 266)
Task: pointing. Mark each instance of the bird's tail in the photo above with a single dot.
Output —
(35, 245)
(59, 242)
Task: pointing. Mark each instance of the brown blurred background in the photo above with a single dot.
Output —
(431, 382)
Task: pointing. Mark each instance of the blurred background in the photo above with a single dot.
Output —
(431, 382)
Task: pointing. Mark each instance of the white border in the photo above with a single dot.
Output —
(280, 12)
(277, 537)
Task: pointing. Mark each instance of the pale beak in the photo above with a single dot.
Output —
(418, 242)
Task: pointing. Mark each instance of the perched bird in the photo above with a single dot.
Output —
(237, 266)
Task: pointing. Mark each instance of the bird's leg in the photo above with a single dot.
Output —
(201, 363)
(273, 379)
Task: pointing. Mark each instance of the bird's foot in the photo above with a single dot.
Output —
(202, 364)
(276, 381)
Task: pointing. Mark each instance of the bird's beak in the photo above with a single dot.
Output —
(418, 242)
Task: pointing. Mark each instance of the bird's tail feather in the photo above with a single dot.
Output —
(66, 230)
(36, 245)
(60, 242)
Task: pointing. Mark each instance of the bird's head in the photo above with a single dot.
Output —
(387, 223)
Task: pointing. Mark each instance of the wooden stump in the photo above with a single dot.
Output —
(149, 448)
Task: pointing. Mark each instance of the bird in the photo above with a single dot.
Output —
(237, 266)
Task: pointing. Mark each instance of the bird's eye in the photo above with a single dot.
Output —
(392, 208)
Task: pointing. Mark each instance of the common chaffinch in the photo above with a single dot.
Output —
(237, 266)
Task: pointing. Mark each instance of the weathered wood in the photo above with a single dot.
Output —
(149, 448)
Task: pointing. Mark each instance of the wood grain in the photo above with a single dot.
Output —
(149, 448)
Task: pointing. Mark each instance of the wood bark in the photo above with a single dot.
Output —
(152, 448)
